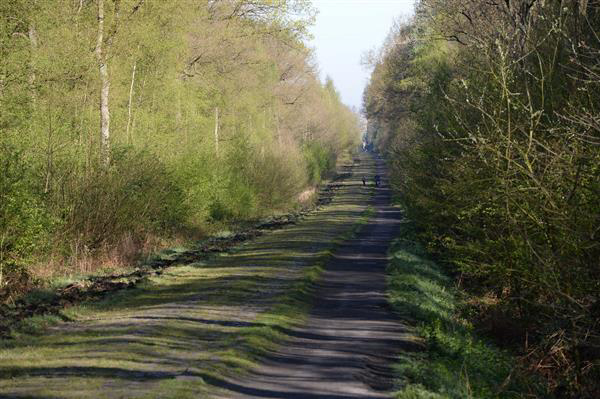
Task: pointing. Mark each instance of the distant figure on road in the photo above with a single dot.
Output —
(377, 180)
(364, 180)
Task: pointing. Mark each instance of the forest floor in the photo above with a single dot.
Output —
(299, 312)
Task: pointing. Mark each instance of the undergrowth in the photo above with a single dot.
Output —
(456, 364)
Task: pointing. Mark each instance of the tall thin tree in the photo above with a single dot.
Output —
(105, 86)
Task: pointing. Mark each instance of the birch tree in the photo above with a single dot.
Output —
(102, 59)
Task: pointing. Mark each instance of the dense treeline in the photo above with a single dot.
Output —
(489, 113)
(124, 120)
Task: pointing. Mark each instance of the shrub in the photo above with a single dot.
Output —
(135, 195)
(319, 161)
(24, 221)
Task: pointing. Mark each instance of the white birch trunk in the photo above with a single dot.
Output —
(105, 89)
(33, 39)
(130, 105)
(217, 131)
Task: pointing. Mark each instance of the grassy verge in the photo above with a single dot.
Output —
(456, 363)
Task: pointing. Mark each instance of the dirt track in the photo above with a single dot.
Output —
(346, 348)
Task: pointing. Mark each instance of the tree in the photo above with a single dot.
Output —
(153, 76)
(485, 110)
(102, 58)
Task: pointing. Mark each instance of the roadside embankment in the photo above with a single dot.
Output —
(457, 363)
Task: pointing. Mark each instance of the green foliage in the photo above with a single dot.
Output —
(456, 363)
(24, 221)
(211, 106)
(319, 162)
(493, 137)
(135, 195)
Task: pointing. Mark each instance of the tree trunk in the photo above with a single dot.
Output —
(82, 115)
(33, 39)
(49, 154)
(583, 4)
(217, 131)
(139, 103)
(105, 82)
(130, 104)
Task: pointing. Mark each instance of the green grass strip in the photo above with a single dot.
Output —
(456, 363)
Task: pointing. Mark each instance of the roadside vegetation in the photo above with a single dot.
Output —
(129, 125)
(488, 115)
(187, 330)
(456, 362)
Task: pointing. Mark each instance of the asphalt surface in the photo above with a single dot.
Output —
(348, 344)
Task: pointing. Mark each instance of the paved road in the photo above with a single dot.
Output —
(347, 346)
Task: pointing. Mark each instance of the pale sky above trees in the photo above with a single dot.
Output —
(344, 30)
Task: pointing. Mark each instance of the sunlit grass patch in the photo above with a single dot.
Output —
(291, 309)
(456, 363)
(183, 387)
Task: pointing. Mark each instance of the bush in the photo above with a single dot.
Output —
(136, 195)
(319, 162)
(24, 221)
(278, 177)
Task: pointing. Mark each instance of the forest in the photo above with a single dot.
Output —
(128, 125)
(133, 127)
(489, 115)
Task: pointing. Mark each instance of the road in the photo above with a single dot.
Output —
(346, 348)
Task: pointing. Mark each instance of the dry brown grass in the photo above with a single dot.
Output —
(127, 252)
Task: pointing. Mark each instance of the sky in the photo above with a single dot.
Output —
(344, 30)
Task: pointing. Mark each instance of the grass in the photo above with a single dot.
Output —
(457, 364)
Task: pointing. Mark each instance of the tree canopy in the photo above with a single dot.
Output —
(488, 112)
(122, 120)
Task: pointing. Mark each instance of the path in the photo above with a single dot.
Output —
(347, 347)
